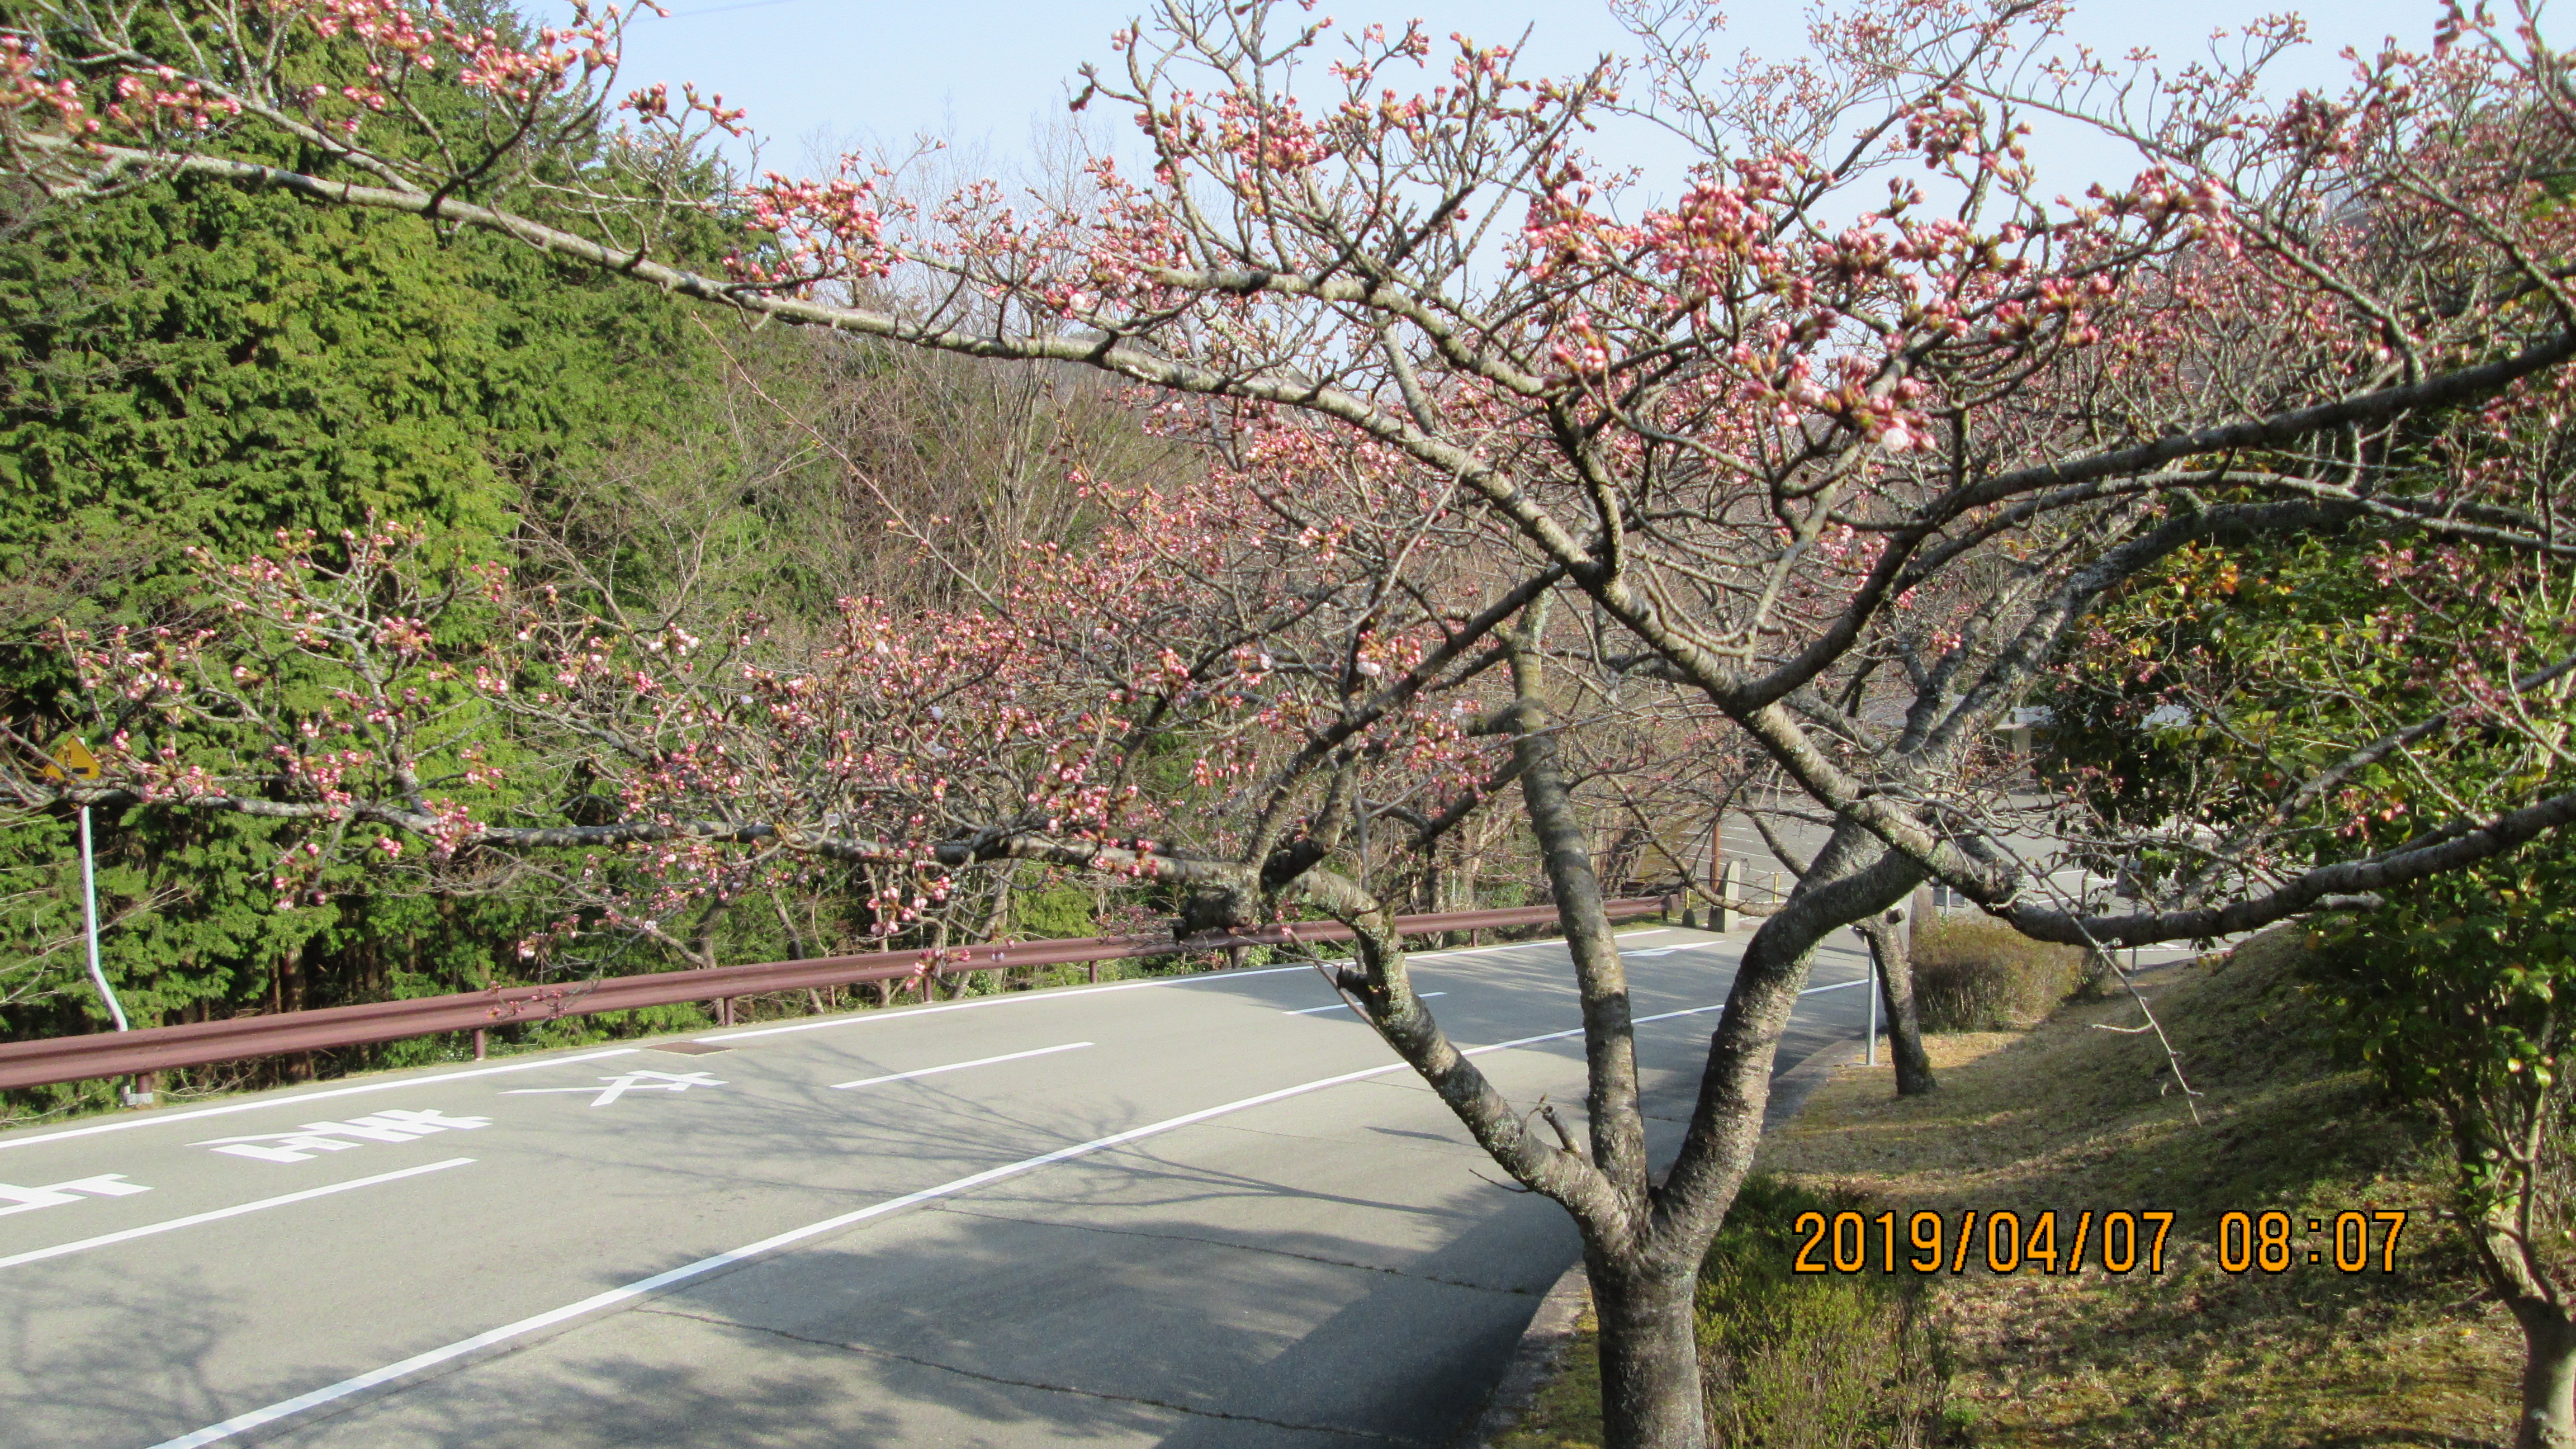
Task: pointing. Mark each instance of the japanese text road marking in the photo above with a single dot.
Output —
(300, 1145)
(28, 1199)
(618, 1086)
(192, 1219)
(264, 1104)
(331, 1393)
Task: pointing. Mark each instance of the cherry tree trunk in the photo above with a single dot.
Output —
(1642, 1282)
(1650, 1386)
(2548, 1375)
(1888, 946)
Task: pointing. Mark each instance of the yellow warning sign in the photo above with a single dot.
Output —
(72, 760)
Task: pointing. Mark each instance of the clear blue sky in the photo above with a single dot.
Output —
(986, 73)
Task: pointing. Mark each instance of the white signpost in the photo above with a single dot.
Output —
(73, 761)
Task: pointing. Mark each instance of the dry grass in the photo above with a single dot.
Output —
(2070, 1117)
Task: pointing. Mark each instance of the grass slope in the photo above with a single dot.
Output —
(2070, 1116)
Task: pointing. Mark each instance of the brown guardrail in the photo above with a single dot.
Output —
(159, 1048)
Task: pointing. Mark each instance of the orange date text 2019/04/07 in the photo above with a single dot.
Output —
(2055, 1241)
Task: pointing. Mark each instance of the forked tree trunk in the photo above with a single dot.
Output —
(1651, 1396)
(1641, 1282)
(2548, 1336)
(2548, 1376)
(1887, 945)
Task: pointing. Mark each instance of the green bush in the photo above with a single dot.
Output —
(1057, 913)
(1806, 1361)
(1974, 974)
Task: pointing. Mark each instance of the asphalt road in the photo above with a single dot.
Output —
(1194, 1212)
(1766, 877)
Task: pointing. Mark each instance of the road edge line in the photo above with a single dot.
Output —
(38, 1255)
(643, 1287)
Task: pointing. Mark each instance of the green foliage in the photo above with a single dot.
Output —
(1788, 1360)
(196, 364)
(200, 365)
(2269, 632)
(2459, 994)
(1975, 974)
(1059, 912)
(1797, 1360)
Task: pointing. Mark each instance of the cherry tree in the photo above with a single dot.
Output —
(1844, 431)
(1122, 708)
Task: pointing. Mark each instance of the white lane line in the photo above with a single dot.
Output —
(1837, 986)
(909, 1013)
(190, 1221)
(285, 1408)
(155, 1119)
(957, 1066)
(1668, 950)
(1060, 993)
(1526, 945)
(1345, 1006)
(1482, 950)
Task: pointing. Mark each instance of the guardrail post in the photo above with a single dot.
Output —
(481, 1048)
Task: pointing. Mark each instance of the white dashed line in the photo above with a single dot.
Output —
(287, 1408)
(1345, 1006)
(958, 1066)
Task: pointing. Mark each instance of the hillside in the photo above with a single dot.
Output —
(2071, 1116)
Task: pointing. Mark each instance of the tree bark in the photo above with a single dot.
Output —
(1887, 946)
(1641, 1286)
(2522, 1281)
(1650, 1385)
(2548, 1375)
(1855, 875)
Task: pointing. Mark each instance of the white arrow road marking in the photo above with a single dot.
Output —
(192, 1219)
(1345, 1006)
(329, 1393)
(956, 1066)
(618, 1086)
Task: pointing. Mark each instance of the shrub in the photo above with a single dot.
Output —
(1798, 1361)
(1056, 913)
(1973, 974)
